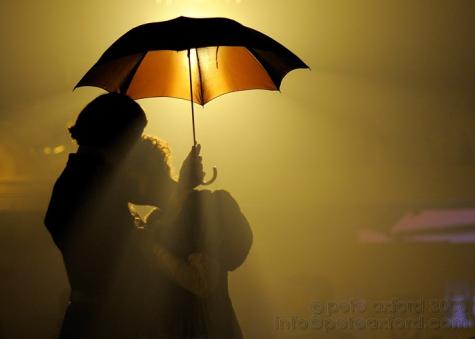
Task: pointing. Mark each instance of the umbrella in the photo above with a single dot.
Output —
(196, 59)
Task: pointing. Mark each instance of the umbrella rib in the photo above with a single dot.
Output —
(201, 80)
(124, 86)
(275, 79)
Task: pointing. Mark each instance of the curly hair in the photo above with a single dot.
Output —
(151, 156)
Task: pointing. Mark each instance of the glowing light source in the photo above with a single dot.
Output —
(58, 149)
(53, 150)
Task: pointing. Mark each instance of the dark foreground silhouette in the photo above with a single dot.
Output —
(192, 244)
(88, 216)
(165, 280)
(215, 237)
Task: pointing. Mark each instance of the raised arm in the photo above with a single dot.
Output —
(191, 176)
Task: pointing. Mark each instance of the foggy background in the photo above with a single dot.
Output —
(381, 127)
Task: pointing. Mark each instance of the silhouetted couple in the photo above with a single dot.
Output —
(162, 277)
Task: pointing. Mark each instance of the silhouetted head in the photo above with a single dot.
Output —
(109, 121)
(148, 167)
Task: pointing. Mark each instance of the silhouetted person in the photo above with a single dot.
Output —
(199, 237)
(209, 238)
(88, 216)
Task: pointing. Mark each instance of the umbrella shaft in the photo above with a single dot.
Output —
(191, 99)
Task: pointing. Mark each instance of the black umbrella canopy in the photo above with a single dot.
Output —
(242, 58)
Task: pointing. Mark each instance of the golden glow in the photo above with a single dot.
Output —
(215, 71)
(384, 121)
(58, 149)
(7, 163)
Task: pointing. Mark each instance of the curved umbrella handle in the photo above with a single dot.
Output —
(213, 178)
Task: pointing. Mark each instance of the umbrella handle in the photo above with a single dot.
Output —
(213, 178)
